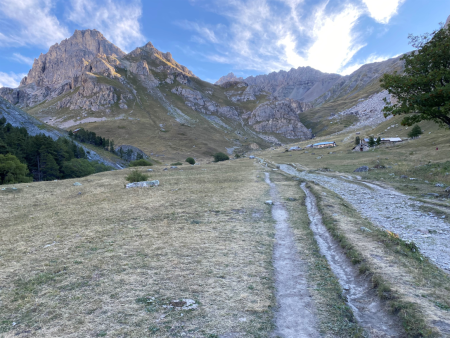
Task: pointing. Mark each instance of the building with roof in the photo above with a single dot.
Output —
(324, 145)
(391, 140)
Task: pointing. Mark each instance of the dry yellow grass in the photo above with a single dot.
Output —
(78, 261)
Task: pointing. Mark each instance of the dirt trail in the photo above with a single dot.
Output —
(294, 317)
(361, 297)
(393, 211)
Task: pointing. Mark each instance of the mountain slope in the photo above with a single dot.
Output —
(148, 100)
(18, 118)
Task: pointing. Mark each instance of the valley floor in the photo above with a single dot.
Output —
(203, 255)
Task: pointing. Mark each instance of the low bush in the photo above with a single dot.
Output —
(218, 157)
(136, 176)
(190, 160)
(177, 163)
(140, 163)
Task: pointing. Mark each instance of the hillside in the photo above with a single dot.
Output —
(18, 118)
(148, 100)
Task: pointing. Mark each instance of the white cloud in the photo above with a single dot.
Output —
(22, 59)
(10, 80)
(117, 20)
(267, 35)
(205, 32)
(30, 22)
(382, 10)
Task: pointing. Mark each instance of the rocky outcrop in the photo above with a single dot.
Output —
(303, 83)
(249, 94)
(162, 61)
(141, 70)
(279, 117)
(69, 58)
(198, 102)
(227, 78)
(90, 96)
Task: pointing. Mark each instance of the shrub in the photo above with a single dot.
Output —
(136, 176)
(357, 140)
(190, 160)
(237, 155)
(140, 163)
(218, 157)
(415, 131)
(177, 163)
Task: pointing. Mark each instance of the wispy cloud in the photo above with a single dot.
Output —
(383, 10)
(11, 80)
(118, 20)
(22, 59)
(269, 35)
(30, 22)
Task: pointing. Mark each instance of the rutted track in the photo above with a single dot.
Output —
(366, 306)
(294, 317)
(393, 211)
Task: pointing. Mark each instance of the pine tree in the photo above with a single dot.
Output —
(378, 141)
(416, 131)
(371, 142)
(357, 140)
(111, 146)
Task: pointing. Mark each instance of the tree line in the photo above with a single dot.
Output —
(26, 158)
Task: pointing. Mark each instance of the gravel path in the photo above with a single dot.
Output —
(294, 317)
(392, 211)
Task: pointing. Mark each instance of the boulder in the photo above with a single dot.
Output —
(295, 148)
(251, 157)
(361, 169)
(143, 184)
(439, 185)
(269, 202)
(403, 176)
(77, 184)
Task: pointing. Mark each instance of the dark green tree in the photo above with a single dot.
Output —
(416, 131)
(357, 140)
(77, 167)
(218, 157)
(378, 141)
(12, 170)
(423, 90)
(48, 167)
(371, 142)
(190, 160)
(111, 146)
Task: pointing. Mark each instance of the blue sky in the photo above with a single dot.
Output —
(213, 38)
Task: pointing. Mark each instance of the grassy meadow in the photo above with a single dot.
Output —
(102, 260)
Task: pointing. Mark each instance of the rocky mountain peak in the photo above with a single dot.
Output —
(447, 22)
(67, 59)
(229, 77)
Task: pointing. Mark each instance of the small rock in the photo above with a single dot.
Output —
(173, 167)
(77, 184)
(143, 184)
(403, 176)
(149, 169)
(251, 157)
(164, 169)
(361, 169)
(447, 189)
(364, 229)
(269, 202)
(439, 185)
(291, 199)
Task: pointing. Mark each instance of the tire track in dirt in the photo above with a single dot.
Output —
(295, 315)
(361, 297)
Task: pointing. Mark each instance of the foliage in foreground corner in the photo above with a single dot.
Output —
(423, 90)
(218, 157)
(136, 176)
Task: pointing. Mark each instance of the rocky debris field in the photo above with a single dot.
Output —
(369, 112)
(392, 211)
